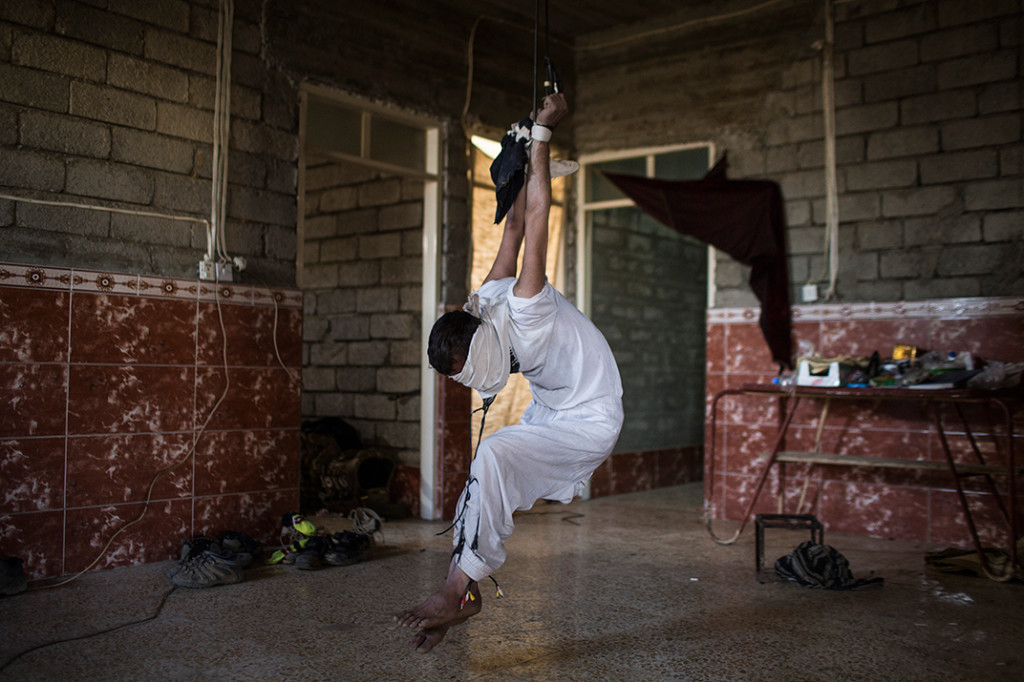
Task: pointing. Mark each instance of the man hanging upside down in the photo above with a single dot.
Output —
(570, 426)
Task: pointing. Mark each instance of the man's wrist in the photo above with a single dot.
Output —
(541, 132)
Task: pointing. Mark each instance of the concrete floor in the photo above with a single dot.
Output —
(619, 588)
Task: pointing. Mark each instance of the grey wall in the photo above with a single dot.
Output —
(116, 108)
(362, 291)
(928, 116)
(648, 293)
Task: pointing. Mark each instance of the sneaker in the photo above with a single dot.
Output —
(560, 168)
(12, 576)
(365, 521)
(308, 558)
(190, 548)
(296, 523)
(210, 568)
(346, 548)
(241, 544)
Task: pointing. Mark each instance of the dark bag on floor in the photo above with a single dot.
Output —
(814, 565)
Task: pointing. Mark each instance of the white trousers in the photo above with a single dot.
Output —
(549, 455)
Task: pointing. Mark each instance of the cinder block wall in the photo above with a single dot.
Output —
(115, 107)
(362, 279)
(928, 134)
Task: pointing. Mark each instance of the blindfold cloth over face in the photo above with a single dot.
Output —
(488, 365)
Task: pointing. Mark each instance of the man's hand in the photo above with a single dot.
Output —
(553, 110)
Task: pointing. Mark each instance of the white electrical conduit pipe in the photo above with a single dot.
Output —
(829, 120)
(217, 246)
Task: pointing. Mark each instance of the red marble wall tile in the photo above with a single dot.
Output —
(714, 352)
(994, 338)
(601, 480)
(257, 398)
(743, 448)
(118, 372)
(156, 537)
(457, 452)
(452, 487)
(242, 461)
(949, 525)
(33, 537)
(32, 471)
(251, 336)
(677, 466)
(35, 325)
(879, 511)
(257, 514)
(405, 488)
(737, 490)
(117, 469)
(131, 329)
(746, 350)
(863, 337)
(806, 335)
(130, 399)
(35, 400)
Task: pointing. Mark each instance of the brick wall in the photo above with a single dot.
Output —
(362, 276)
(649, 301)
(115, 107)
(928, 135)
(109, 379)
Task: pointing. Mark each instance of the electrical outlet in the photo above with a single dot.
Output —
(810, 293)
(222, 272)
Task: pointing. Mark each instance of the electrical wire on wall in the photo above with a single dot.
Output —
(215, 245)
(829, 120)
(216, 250)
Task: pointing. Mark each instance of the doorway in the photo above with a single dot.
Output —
(367, 263)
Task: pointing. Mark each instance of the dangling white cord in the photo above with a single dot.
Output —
(217, 246)
(831, 190)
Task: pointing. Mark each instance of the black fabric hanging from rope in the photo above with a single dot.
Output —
(744, 218)
(508, 170)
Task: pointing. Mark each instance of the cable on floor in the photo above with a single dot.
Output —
(37, 647)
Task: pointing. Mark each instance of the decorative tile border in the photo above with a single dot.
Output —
(34, 277)
(105, 282)
(956, 308)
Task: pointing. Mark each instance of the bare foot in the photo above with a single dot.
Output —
(442, 608)
(427, 638)
(459, 597)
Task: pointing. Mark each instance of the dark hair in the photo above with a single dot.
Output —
(449, 340)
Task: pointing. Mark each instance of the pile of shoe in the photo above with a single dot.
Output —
(307, 549)
(206, 562)
(302, 544)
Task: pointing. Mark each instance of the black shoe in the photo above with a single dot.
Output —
(241, 544)
(190, 548)
(12, 576)
(346, 548)
(309, 557)
(212, 567)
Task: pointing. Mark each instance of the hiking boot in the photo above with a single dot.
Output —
(346, 548)
(12, 576)
(241, 544)
(212, 567)
(190, 548)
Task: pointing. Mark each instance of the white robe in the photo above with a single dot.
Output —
(567, 431)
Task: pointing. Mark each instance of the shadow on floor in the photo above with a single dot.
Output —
(625, 587)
